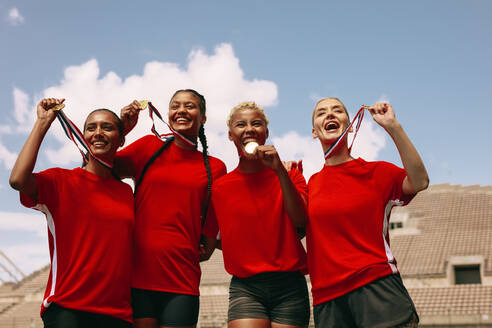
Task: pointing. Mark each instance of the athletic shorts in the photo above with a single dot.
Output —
(281, 297)
(170, 309)
(57, 316)
(382, 303)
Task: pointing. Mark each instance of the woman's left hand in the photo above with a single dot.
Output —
(268, 156)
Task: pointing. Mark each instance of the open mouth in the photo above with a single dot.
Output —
(331, 126)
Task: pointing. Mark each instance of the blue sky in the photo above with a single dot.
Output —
(430, 59)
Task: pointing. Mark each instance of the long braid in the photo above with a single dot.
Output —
(164, 146)
(203, 141)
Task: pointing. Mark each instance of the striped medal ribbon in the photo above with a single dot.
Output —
(152, 111)
(358, 117)
(73, 133)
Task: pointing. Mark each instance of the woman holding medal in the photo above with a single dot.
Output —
(172, 193)
(258, 207)
(355, 281)
(90, 238)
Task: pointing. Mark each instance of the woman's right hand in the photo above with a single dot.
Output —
(46, 110)
(129, 115)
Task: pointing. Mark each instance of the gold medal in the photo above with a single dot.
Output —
(143, 104)
(58, 107)
(251, 147)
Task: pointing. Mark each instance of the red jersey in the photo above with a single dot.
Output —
(256, 233)
(168, 207)
(90, 229)
(347, 232)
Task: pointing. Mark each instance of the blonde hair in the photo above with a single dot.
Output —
(244, 106)
(332, 98)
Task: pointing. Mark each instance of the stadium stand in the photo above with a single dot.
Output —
(442, 241)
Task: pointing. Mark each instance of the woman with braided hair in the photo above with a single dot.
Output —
(173, 183)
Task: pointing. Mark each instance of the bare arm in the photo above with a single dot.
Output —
(21, 177)
(129, 115)
(417, 178)
(294, 203)
(207, 247)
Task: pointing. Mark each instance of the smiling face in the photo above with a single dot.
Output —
(103, 134)
(247, 125)
(185, 115)
(330, 119)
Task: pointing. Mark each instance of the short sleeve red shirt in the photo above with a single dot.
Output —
(168, 207)
(90, 232)
(256, 233)
(347, 232)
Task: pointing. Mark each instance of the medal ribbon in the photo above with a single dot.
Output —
(358, 117)
(152, 111)
(73, 133)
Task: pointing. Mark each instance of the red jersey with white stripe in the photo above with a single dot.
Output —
(90, 232)
(347, 233)
(256, 233)
(168, 207)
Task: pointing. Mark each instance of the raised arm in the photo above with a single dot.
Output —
(21, 177)
(294, 203)
(417, 178)
(129, 115)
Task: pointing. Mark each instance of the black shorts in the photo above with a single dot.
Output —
(281, 297)
(57, 316)
(170, 309)
(382, 303)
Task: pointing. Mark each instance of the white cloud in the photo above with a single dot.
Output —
(27, 246)
(14, 17)
(293, 146)
(23, 117)
(23, 222)
(7, 157)
(28, 256)
(21, 106)
(218, 76)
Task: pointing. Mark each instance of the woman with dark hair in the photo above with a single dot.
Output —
(258, 206)
(355, 281)
(173, 183)
(90, 217)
